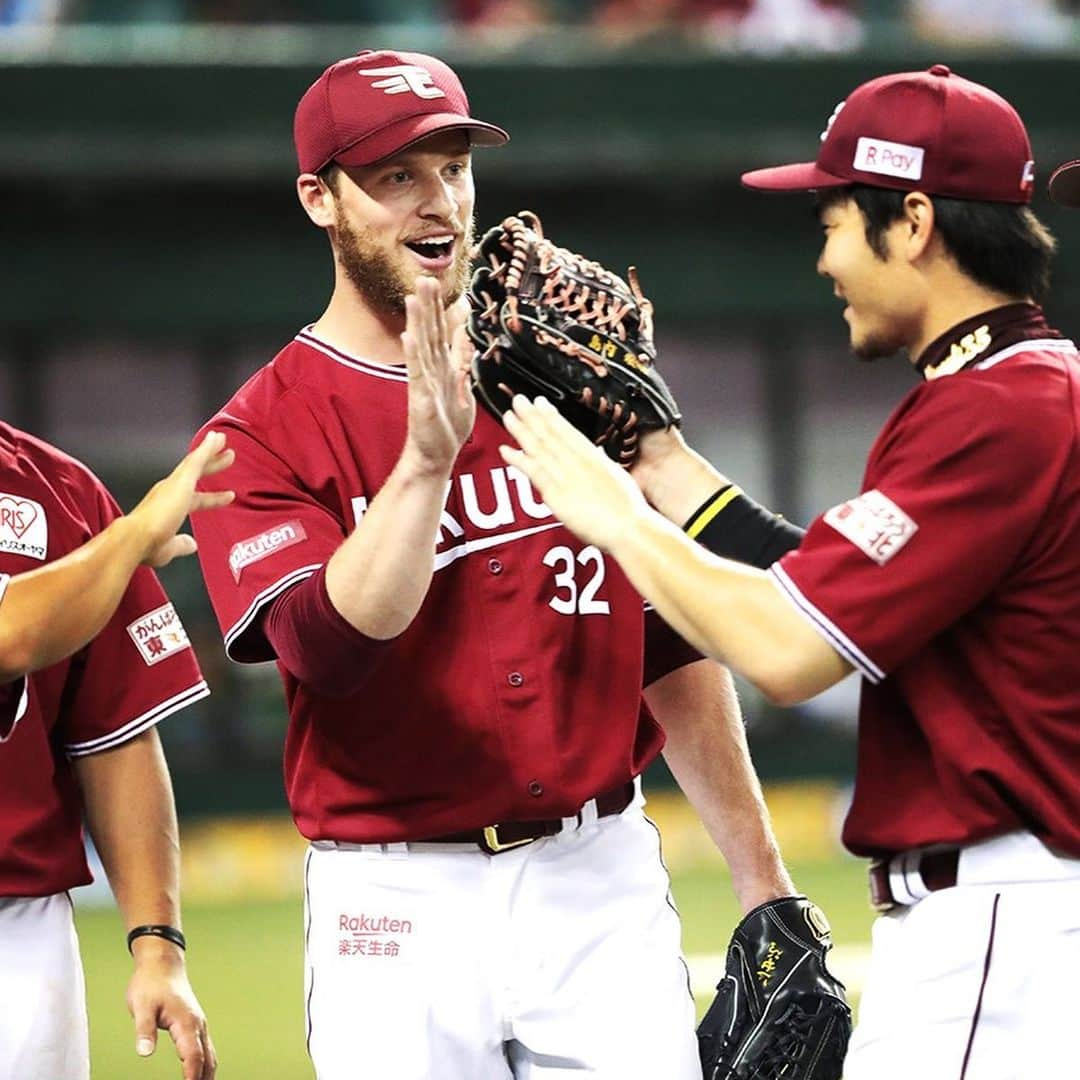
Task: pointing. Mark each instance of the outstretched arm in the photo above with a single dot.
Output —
(132, 818)
(729, 611)
(48, 614)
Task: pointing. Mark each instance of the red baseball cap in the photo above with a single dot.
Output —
(366, 107)
(1065, 184)
(929, 131)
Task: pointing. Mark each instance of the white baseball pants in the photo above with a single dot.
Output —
(555, 959)
(43, 1030)
(977, 982)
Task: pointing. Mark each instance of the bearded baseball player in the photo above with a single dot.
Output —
(951, 583)
(484, 897)
(92, 658)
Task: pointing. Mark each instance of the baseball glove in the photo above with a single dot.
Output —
(549, 321)
(778, 1013)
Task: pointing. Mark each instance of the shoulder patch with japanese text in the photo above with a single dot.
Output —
(874, 524)
(23, 528)
(158, 634)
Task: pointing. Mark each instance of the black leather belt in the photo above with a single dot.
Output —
(512, 834)
(936, 869)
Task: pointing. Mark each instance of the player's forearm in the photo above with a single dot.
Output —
(707, 753)
(731, 612)
(380, 575)
(49, 613)
(673, 477)
(132, 818)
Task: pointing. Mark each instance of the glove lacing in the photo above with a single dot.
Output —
(600, 308)
(786, 1058)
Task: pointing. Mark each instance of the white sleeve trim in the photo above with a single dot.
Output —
(825, 626)
(260, 601)
(140, 723)
(4, 579)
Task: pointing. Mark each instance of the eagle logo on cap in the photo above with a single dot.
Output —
(403, 79)
(832, 120)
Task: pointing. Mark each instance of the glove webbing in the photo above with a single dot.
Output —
(606, 311)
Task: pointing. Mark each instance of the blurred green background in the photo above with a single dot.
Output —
(155, 255)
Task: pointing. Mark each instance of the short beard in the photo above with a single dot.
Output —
(876, 348)
(873, 349)
(380, 281)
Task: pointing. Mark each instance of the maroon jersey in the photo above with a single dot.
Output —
(515, 692)
(137, 671)
(953, 584)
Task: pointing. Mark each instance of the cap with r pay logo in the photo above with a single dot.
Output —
(930, 131)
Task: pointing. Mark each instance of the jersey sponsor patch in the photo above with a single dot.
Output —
(888, 158)
(266, 543)
(23, 528)
(874, 524)
(158, 634)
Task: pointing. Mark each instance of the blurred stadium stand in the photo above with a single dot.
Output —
(155, 254)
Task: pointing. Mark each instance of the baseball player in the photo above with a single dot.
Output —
(484, 897)
(92, 657)
(951, 583)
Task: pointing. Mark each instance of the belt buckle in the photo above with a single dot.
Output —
(495, 845)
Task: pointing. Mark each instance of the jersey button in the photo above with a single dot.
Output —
(515, 678)
(495, 566)
(536, 789)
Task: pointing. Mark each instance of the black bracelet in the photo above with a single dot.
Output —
(169, 933)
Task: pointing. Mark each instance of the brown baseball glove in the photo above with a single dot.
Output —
(547, 321)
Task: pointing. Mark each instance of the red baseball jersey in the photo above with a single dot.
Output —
(137, 671)
(515, 692)
(952, 583)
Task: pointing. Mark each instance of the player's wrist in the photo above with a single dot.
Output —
(425, 464)
(136, 534)
(156, 941)
(671, 476)
(157, 952)
(633, 534)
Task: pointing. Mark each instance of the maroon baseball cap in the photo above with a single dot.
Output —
(1065, 184)
(366, 107)
(929, 131)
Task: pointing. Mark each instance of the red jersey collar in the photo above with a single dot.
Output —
(983, 335)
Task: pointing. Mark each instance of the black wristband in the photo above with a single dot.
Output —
(169, 933)
(733, 526)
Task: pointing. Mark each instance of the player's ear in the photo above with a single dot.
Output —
(918, 223)
(317, 199)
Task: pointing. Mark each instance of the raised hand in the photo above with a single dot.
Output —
(586, 490)
(164, 507)
(441, 406)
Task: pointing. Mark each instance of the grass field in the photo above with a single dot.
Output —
(246, 963)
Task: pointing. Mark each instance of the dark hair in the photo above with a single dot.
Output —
(1002, 246)
(330, 175)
